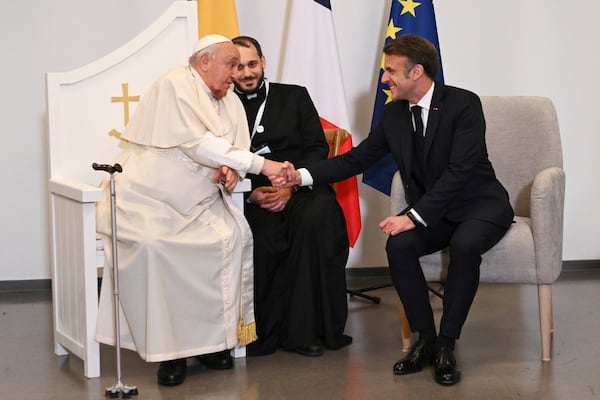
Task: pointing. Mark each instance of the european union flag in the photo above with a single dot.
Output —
(406, 16)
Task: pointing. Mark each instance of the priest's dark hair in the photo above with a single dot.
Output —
(247, 41)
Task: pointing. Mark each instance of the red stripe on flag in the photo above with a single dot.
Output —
(347, 193)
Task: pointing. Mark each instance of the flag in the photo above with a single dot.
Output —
(217, 16)
(406, 16)
(311, 59)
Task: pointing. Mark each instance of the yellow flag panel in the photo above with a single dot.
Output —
(217, 16)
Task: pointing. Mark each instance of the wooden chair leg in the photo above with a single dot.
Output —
(546, 320)
(404, 327)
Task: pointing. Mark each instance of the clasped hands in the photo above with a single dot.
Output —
(285, 175)
(281, 175)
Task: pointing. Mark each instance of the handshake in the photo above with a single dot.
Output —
(281, 175)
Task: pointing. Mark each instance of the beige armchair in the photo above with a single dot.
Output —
(524, 145)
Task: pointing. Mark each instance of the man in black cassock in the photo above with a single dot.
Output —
(300, 238)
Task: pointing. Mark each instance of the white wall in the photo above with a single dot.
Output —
(494, 48)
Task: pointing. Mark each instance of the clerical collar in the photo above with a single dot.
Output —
(260, 93)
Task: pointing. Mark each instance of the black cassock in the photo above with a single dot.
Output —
(300, 254)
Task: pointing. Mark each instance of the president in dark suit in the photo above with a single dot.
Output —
(436, 134)
(300, 239)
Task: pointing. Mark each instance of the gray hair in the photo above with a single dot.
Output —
(210, 50)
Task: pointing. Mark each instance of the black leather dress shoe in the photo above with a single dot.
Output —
(445, 370)
(218, 360)
(420, 354)
(172, 372)
(311, 350)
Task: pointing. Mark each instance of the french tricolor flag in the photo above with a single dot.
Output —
(311, 59)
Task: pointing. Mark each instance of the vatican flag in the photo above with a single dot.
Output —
(217, 16)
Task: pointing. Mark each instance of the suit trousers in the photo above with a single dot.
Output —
(466, 241)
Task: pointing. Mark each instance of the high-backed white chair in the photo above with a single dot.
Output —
(524, 145)
(87, 108)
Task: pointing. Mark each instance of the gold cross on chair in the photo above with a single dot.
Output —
(125, 99)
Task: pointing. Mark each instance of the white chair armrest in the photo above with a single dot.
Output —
(74, 190)
(245, 185)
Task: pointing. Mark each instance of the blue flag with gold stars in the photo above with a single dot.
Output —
(406, 16)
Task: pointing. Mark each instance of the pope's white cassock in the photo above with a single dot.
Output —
(184, 251)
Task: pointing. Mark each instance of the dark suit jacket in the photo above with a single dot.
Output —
(292, 129)
(459, 180)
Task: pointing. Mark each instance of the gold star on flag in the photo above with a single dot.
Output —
(388, 94)
(408, 6)
(392, 30)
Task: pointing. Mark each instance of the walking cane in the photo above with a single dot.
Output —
(118, 388)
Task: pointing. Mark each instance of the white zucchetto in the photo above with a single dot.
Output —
(209, 40)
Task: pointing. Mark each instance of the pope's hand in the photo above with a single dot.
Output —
(226, 177)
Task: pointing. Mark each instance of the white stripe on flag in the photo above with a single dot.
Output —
(311, 59)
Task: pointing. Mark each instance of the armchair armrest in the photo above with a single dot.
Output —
(245, 185)
(547, 209)
(78, 191)
(397, 195)
(85, 193)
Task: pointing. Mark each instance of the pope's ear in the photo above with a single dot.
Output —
(202, 61)
(263, 60)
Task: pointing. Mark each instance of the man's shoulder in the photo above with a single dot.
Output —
(286, 87)
(289, 92)
(172, 79)
(174, 74)
(455, 92)
(455, 101)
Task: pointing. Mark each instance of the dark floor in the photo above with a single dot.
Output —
(499, 355)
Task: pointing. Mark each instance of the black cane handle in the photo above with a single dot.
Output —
(111, 169)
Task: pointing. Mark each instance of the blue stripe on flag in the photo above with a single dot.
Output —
(324, 3)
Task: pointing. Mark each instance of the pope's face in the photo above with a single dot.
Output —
(251, 70)
(222, 69)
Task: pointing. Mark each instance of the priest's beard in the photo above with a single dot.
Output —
(260, 82)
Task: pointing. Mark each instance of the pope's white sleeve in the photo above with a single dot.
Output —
(215, 152)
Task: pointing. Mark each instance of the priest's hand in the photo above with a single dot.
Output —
(270, 198)
(227, 177)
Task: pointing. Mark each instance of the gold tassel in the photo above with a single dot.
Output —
(246, 332)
